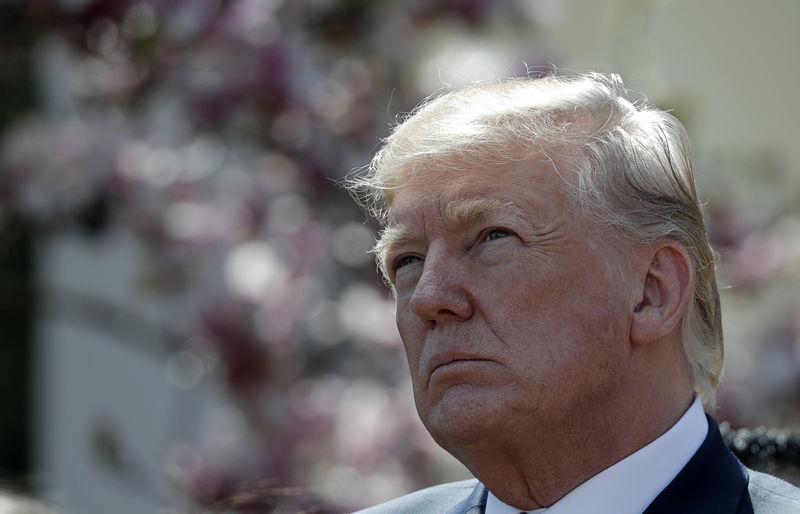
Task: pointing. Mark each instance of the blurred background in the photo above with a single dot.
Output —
(190, 320)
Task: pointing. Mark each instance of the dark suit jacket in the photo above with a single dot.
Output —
(712, 482)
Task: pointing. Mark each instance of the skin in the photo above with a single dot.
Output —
(529, 358)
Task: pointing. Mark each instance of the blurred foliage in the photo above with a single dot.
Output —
(214, 132)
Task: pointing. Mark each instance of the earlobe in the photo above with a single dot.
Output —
(665, 293)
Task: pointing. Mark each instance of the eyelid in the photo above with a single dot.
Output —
(484, 234)
(396, 262)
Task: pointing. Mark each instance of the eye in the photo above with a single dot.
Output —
(497, 233)
(405, 260)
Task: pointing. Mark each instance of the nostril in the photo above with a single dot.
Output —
(441, 305)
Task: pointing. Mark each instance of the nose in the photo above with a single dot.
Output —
(441, 294)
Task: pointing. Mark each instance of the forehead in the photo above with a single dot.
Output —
(457, 194)
(454, 214)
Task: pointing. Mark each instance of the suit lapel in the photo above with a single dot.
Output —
(712, 481)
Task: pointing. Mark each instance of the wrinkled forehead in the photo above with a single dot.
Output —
(458, 171)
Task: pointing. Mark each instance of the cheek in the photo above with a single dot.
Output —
(403, 317)
(411, 333)
(555, 314)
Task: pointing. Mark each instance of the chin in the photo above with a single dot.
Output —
(462, 419)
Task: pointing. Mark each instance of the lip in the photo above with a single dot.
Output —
(446, 357)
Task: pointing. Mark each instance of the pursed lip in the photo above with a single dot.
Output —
(446, 357)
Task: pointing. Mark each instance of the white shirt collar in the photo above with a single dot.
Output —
(641, 475)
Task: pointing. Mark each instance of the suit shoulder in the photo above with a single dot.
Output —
(772, 495)
(438, 499)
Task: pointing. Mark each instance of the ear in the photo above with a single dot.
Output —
(665, 291)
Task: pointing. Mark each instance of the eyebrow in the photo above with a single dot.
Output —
(467, 211)
(457, 213)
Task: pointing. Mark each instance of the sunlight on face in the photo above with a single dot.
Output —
(509, 320)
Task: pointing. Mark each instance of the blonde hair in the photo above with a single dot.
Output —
(631, 163)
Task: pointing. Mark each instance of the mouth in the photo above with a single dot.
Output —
(451, 360)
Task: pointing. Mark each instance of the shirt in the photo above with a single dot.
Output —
(631, 484)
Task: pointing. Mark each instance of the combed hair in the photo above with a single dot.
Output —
(632, 172)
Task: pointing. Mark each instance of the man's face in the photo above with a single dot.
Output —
(510, 317)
